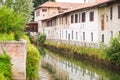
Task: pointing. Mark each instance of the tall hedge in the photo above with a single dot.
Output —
(33, 60)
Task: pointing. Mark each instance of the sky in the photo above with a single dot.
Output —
(73, 1)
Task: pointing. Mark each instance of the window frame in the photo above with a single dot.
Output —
(83, 17)
(91, 16)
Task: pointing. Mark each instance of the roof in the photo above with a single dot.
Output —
(59, 4)
(83, 6)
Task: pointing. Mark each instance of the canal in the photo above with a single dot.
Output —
(64, 67)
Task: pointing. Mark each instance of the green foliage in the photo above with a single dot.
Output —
(92, 52)
(113, 52)
(6, 37)
(26, 38)
(41, 38)
(32, 63)
(5, 67)
(39, 2)
(2, 77)
(33, 60)
(24, 7)
(10, 21)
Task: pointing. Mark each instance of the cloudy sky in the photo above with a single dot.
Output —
(74, 1)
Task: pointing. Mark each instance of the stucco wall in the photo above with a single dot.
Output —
(88, 27)
(110, 25)
(17, 52)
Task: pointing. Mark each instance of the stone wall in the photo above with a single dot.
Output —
(17, 50)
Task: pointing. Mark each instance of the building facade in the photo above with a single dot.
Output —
(92, 23)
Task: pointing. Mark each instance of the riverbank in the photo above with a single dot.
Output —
(71, 68)
(95, 55)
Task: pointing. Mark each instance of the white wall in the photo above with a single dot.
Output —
(87, 27)
(112, 25)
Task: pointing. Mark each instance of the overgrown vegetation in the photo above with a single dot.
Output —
(110, 54)
(32, 63)
(5, 67)
(11, 22)
(93, 52)
(6, 37)
(41, 38)
(113, 52)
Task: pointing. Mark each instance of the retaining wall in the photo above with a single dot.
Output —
(17, 50)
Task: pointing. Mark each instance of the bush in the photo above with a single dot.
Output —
(33, 60)
(41, 38)
(2, 77)
(26, 38)
(113, 52)
(5, 67)
(6, 37)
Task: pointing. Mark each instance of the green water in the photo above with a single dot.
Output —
(67, 67)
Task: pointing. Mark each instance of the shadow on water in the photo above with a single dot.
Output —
(69, 68)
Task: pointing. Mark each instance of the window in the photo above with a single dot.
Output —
(62, 20)
(62, 33)
(66, 20)
(76, 18)
(92, 37)
(83, 36)
(103, 38)
(102, 22)
(44, 10)
(72, 18)
(111, 32)
(111, 10)
(91, 16)
(72, 34)
(79, 18)
(83, 17)
(37, 13)
(66, 34)
(118, 11)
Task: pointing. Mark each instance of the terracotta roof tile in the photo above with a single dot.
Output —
(60, 4)
(82, 6)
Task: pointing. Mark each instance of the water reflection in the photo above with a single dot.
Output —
(67, 68)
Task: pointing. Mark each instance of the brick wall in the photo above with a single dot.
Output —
(17, 50)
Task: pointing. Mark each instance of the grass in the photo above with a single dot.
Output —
(92, 52)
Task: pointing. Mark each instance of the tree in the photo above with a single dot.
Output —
(39, 2)
(24, 7)
(113, 52)
(11, 22)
